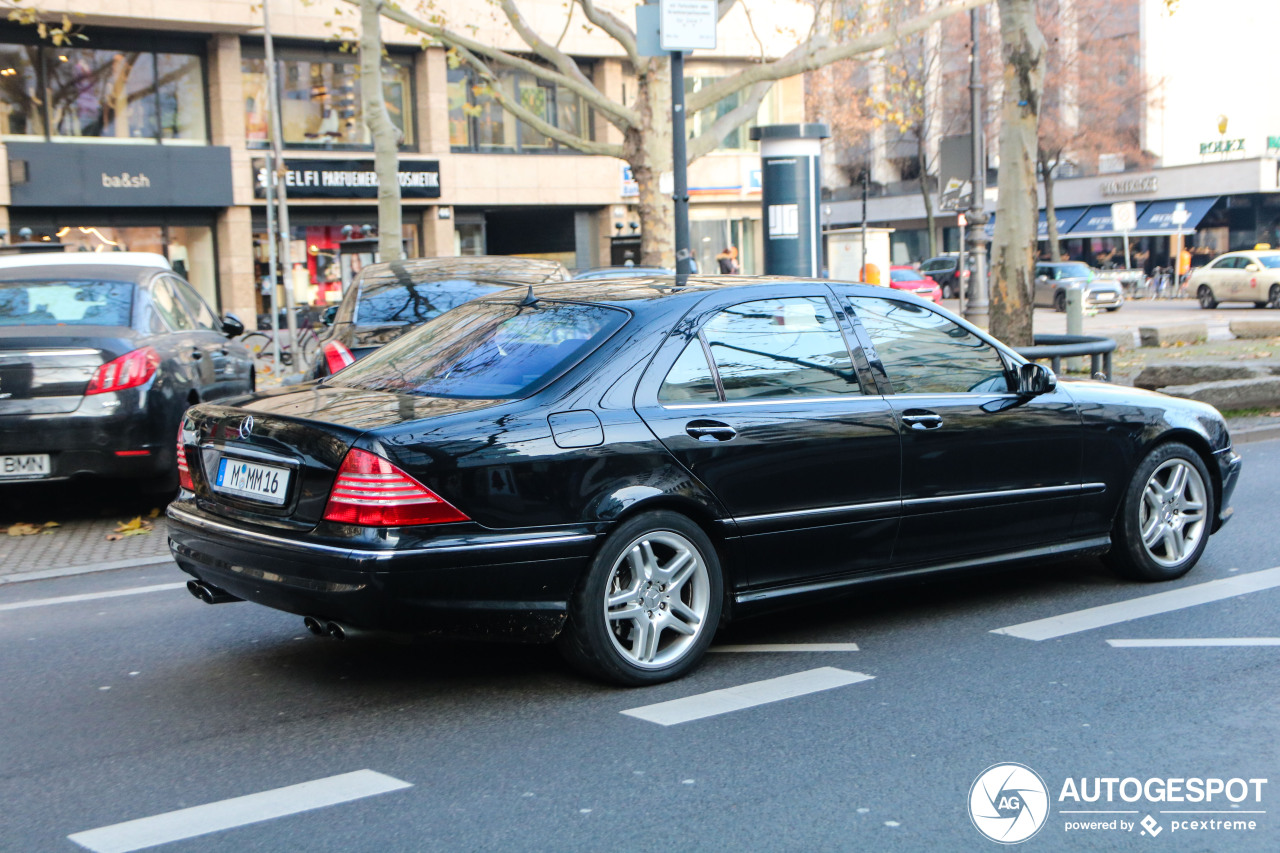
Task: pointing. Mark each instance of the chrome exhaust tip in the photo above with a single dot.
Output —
(315, 626)
(210, 594)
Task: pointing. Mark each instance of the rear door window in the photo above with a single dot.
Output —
(487, 350)
(66, 303)
(165, 302)
(196, 308)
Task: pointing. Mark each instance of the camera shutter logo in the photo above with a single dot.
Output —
(246, 428)
(1008, 803)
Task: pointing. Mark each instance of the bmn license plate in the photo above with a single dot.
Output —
(251, 480)
(28, 465)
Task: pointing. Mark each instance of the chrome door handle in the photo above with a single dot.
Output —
(710, 430)
(919, 419)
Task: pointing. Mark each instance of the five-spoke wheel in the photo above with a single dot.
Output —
(649, 604)
(1166, 516)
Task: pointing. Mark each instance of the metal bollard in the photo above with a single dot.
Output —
(1075, 321)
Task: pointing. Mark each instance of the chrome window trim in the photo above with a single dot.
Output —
(773, 401)
(364, 553)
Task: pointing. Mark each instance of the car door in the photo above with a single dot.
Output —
(761, 401)
(1044, 286)
(984, 470)
(231, 364)
(1233, 279)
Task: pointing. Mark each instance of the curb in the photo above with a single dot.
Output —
(89, 568)
(1252, 434)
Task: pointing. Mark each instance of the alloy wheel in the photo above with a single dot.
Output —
(656, 599)
(1172, 518)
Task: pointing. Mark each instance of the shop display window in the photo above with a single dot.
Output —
(21, 104)
(320, 101)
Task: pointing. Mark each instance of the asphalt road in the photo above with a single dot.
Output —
(133, 706)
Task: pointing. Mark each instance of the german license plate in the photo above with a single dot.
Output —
(23, 466)
(265, 483)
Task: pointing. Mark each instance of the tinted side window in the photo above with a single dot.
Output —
(925, 353)
(780, 348)
(166, 305)
(195, 306)
(690, 377)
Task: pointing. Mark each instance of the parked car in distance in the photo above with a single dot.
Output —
(906, 278)
(1054, 279)
(942, 269)
(388, 299)
(621, 272)
(1251, 276)
(99, 357)
(620, 468)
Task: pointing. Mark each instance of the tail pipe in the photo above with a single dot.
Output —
(327, 628)
(210, 594)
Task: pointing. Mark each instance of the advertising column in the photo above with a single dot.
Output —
(791, 179)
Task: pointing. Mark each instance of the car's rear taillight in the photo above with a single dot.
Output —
(371, 492)
(128, 371)
(184, 472)
(337, 356)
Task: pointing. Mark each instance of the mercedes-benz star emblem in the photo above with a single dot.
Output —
(246, 427)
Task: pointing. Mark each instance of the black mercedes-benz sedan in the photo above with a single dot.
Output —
(622, 468)
(388, 299)
(98, 360)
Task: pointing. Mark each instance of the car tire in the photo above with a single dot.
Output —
(649, 605)
(1165, 517)
(946, 291)
(1273, 296)
(1060, 301)
(1205, 295)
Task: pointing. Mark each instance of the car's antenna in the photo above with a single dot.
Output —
(529, 299)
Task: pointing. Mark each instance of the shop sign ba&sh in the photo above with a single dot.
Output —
(349, 179)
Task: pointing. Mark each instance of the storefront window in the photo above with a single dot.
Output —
(477, 122)
(320, 102)
(188, 248)
(21, 107)
(85, 93)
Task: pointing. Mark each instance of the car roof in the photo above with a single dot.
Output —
(505, 269)
(104, 271)
(150, 260)
(667, 288)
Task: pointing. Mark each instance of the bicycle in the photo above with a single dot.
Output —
(260, 345)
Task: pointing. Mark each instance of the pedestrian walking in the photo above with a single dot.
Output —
(728, 261)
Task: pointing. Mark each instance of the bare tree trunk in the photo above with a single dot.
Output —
(1051, 208)
(926, 194)
(1014, 246)
(649, 153)
(386, 136)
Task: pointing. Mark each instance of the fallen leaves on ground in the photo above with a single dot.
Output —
(24, 529)
(134, 527)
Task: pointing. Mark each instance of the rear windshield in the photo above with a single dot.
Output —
(486, 350)
(69, 303)
(417, 302)
(1270, 261)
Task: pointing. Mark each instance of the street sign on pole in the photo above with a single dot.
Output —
(688, 24)
(1124, 216)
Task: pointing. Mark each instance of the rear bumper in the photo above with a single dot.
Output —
(86, 441)
(1103, 299)
(511, 587)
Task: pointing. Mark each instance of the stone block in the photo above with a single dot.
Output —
(1263, 393)
(1162, 374)
(1184, 333)
(1255, 328)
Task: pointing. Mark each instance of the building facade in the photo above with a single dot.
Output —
(150, 134)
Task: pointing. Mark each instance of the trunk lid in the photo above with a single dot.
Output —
(47, 373)
(298, 436)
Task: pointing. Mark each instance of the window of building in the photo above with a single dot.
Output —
(780, 348)
(738, 139)
(477, 122)
(320, 100)
(102, 94)
(925, 353)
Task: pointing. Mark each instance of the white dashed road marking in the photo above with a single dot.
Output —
(1147, 605)
(746, 696)
(228, 814)
(788, 647)
(1194, 643)
(91, 596)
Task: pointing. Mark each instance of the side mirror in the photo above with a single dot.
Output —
(1252, 268)
(231, 326)
(1035, 379)
(329, 315)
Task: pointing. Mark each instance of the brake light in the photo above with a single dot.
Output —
(184, 473)
(128, 371)
(371, 492)
(337, 356)
(964, 274)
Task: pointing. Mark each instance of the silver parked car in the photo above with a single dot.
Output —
(1053, 280)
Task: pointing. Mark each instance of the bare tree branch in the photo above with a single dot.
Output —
(819, 50)
(552, 54)
(615, 27)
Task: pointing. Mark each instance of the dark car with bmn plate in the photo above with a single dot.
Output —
(622, 468)
(388, 299)
(98, 361)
